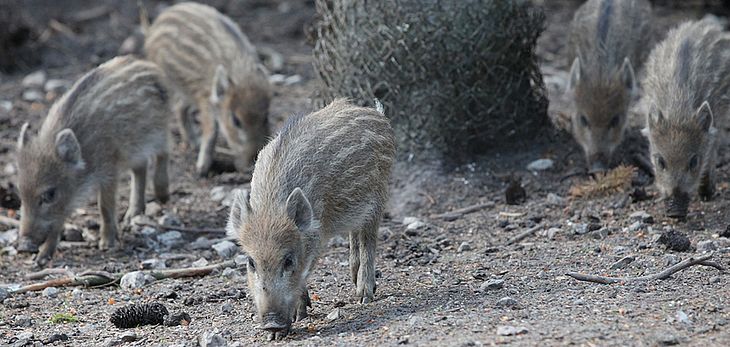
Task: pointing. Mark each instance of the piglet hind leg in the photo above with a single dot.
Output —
(367, 239)
(304, 303)
(161, 180)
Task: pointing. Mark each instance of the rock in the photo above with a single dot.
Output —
(6, 105)
(142, 221)
(636, 226)
(334, 315)
(73, 235)
(227, 308)
(34, 80)
(555, 200)
(683, 318)
(667, 340)
(642, 216)
(202, 242)
(230, 273)
(493, 284)
(225, 249)
(218, 193)
(241, 260)
(22, 321)
(23, 339)
(541, 165)
(600, 234)
(8, 237)
(464, 247)
(135, 279)
(50, 292)
(671, 259)
(57, 86)
(200, 262)
(170, 219)
(552, 232)
(211, 339)
(622, 263)
(128, 336)
(77, 293)
(9, 169)
(32, 95)
(55, 338)
(410, 220)
(507, 302)
(171, 238)
(9, 251)
(177, 318)
(291, 80)
(277, 79)
(707, 246)
(580, 228)
(153, 208)
(675, 241)
(153, 263)
(416, 225)
(508, 330)
(4, 294)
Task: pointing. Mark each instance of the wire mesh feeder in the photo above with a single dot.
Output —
(457, 78)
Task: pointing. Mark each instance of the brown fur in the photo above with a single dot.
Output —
(607, 40)
(92, 134)
(687, 83)
(325, 173)
(215, 69)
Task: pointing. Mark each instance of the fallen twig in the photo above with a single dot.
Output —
(523, 235)
(101, 278)
(183, 229)
(47, 272)
(9, 221)
(456, 214)
(666, 273)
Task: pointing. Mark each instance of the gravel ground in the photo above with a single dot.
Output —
(453, 283)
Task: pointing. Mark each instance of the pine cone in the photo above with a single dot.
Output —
(135, 315)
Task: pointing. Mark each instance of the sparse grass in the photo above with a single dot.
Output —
(611, 182)
(59, 318)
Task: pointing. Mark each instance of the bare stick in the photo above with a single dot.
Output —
(666, 273)
(9, 221)
(102, 278)
(184, 229)
(47, 272)
(523, 235)
(456, 214)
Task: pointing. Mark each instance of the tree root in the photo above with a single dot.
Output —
(666, 273)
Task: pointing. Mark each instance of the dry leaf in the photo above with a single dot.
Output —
(603, 184)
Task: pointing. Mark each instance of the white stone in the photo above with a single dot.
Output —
(34, 80)
(225, 249)
(218, 193)
(508, 330)
(134, 280)
(334, 315)
(200, 262)
(32, 95)
(291, 80)
(541, 165)
(171, 238)
(50, 292)
(56, 85)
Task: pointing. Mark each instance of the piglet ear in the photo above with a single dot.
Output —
(68, 148)
(704, 116)
(628, 77)
(575, 75)
(240, 210)
(221, 84)
(299, 209)
(24, 137)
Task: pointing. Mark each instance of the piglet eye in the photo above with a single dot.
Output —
(694, 162)
(48, 196)
(614, 122)
(251, 264)
(288, 262)
(235, 120)
(661, 163)
(584, 121)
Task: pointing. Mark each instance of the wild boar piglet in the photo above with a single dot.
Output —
(215, 70)
(324, 174)
(687, 84)
(114, 118)
(607, 42)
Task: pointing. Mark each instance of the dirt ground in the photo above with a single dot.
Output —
(441, 283)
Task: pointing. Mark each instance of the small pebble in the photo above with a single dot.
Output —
(170, 219)
(555, 200)
(55, 338)
(334, 315)
(77, 293)
(707, 246)
(507, 302)
(153, 208)
(218, 193)
(541, 165)
(225, 249)
(642, 216)
(241, 260)
(227, 308)
(552, 232)
(508, 330)
(153, 263)
(134, 280)
(22, 321)
(622, 263)
(177, 318)
(464, 247)
(32, 95)
(683, 317)
(230, 273)
(211, 339)
(73, 235)
(200, 262)
(50, 292)
(493, 284)
(35, 79)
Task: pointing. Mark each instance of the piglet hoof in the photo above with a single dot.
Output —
(366, 300)
(42, 261)
(707, 192)
(301, 313)
(107, 244)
